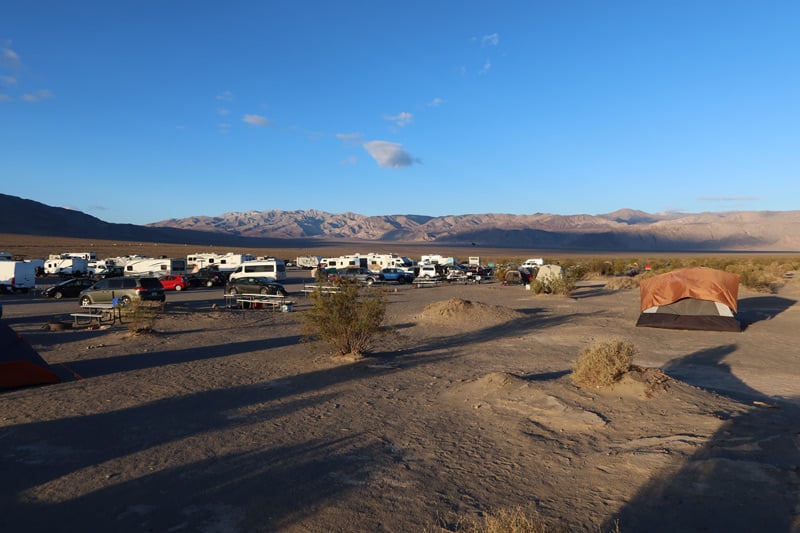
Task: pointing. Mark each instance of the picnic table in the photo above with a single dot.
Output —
(98, 314)
(272, 302)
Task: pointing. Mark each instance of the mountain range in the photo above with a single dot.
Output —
(622, 230)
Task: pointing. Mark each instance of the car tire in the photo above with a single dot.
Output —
(209, 283)
(178, 288)
(264, 290)
(233, 291)
(58, 295)
(370, 281)
(125, 301)
(86, 301)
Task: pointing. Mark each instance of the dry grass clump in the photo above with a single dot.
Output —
(622, 282)
(603, 363)
(507, 521)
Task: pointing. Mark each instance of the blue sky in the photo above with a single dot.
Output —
(412, 107)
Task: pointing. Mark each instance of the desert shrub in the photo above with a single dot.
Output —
(622, 282)
(348, 320)
(141, 317)
(603, 363)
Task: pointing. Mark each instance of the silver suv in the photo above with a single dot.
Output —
(124, 290)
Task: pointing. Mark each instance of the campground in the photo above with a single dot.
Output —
(223, 420)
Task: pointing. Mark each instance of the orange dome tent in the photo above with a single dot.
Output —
(696, 298)
(20, 364)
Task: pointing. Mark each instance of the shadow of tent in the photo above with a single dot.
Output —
(743, 479)
(758, 308)
(20, 364)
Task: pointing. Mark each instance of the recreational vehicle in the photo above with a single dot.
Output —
(381, 261)
(308, 261)
(155, 267)
(269, 267)
(224, 262)
(66, 265)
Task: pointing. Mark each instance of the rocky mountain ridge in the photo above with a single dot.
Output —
(622, 230)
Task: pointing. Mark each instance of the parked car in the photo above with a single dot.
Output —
(70, 288)
(396, 274)
(255, 285)
(109, 272)
(124, 289)
(174, 282)
(364, 275)
(208, 277)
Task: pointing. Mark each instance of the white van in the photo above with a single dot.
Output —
(268, 268)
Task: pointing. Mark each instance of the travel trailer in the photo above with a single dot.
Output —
(438, 260)
(381, 261)
(308, 261)
(66, 265)
(268, 267)
(344, 261)
(224, 262)
(155, 267)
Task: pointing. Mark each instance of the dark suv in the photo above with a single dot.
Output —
(124, 289)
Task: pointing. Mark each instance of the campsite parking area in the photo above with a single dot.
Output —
(223, 420)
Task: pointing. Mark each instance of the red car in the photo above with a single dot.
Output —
(174, 283)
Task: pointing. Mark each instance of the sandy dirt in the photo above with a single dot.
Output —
(223, 421)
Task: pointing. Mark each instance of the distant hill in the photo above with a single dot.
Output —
(623, 230)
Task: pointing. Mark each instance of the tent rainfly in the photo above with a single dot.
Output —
(20, 364)
(696, 298)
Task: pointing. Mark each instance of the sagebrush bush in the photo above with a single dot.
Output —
(603, 363)
(141, 316)
(349, 320)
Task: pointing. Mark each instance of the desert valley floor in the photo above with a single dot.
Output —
(223, 421)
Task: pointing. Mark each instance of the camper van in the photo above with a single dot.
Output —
(17, 276)
(155, 267)
(269, 267)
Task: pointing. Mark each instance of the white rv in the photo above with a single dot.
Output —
(381, 261)
(155, 267)
(64, 264)
(308, 261)
(437, 259)
(89, 256)
(224, 262)
(269, 267)
(17, 276)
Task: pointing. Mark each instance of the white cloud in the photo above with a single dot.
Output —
(7, 80)
(490, 40)
(225, 96)
(37, 96)
(256, 120)
(402, 119)
(487, 66)
(436, 102)
(389, 154)
(9, 58)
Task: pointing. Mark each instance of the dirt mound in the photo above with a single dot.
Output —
(457, 311)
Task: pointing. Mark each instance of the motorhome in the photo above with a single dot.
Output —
(224, 262)
(381, 261)
(17, 276)
(65, 265)
(268, 267)
(155, 267)
(89, 256)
